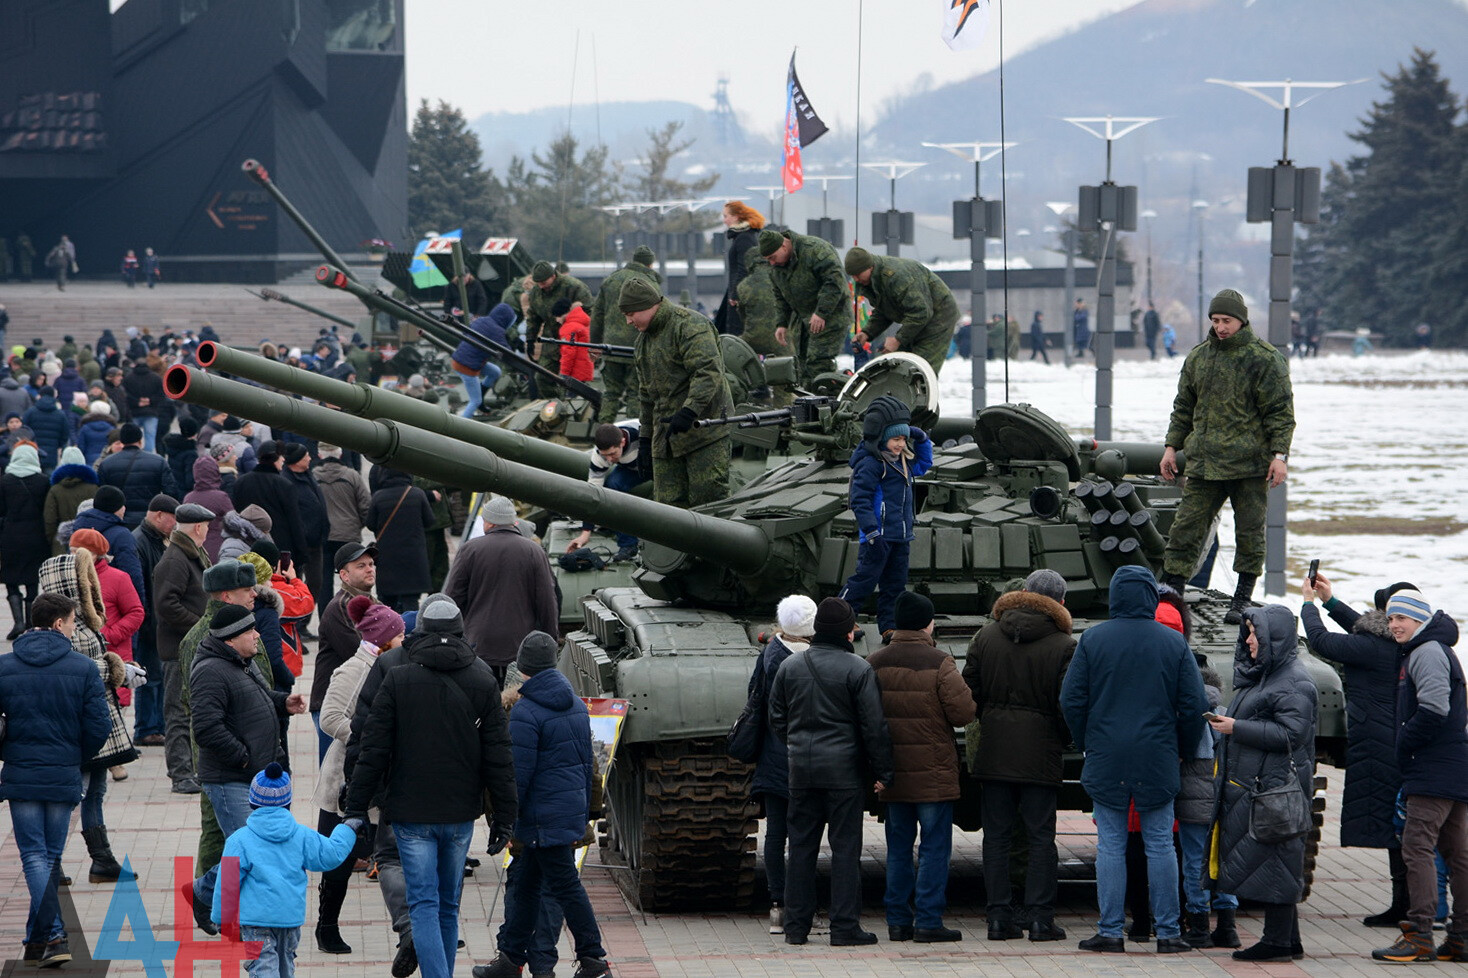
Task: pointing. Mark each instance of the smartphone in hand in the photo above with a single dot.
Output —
(1314, 570)
(1211, 716)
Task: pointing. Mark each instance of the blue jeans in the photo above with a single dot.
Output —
(322, 740)
(1194, 838)
(148, 700)
(918, 901)
(231, 801)
(432, 854)
(1111, 869)
(880, 566)
(476, 384)
(40, 834)
(150, 431)
(277, 950)
(549, 873)
(624, 478)
(94, 789)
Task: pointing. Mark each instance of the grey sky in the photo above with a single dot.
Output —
(477, 56)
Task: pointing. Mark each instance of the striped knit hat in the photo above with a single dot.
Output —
(271, 788)
(1409, 604)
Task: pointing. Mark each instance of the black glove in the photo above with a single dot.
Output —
(499, 837)
(644, 458)
(341, 798)
(682, 420)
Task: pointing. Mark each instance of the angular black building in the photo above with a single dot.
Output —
(127, 129)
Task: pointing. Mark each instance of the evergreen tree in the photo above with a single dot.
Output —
(556, 197)
(447, 184)
(656, 183)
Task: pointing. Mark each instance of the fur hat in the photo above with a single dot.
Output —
(228, 575)
(797, 616)
(638, 294)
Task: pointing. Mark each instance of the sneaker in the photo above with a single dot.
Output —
(1453, 948)
(33, 952)
(200, 908)
(777, 919)
(405, 962)
(186, 786)
(500, 967)
(1411, 948)
(591, 968)
(624, 554)
(57, 953)
(857, 938)
(1102, 944)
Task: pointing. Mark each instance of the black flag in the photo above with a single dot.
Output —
(811, 126)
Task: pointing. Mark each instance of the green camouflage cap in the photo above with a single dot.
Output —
(770, 241)
(644, 256)
(639, 294)
(541, 271)
(858, 260)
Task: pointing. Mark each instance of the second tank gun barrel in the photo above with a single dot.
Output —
(272, 295)
(610, 349)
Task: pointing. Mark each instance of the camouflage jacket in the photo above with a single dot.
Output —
(813, 280)
(541, 301)
(608, 325)
(908, 292)
(1234, 408)
(679, 365)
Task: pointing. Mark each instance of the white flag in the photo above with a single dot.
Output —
(965, 22)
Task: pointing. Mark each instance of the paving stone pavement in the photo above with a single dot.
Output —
(150, 826)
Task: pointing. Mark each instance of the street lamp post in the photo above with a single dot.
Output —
(1200, 207)
(826, 227)
(1147, 215)
(894, 227)
(1068, 238)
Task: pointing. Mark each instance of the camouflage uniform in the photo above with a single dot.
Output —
(609, 325)
(757, 306)
(679, 365)
(1233, 413)
(905, 291)
(541, 301)
(812, 280)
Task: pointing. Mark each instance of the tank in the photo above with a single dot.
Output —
(1016, 492)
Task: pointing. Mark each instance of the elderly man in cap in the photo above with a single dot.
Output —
(505, 582)
(356, 573)
(178, 603)
(680, 379)
(905, 292)
(550, 286)
(151, 537)
(608, 325)
(236, 725)
(826, 707)
(810, 286)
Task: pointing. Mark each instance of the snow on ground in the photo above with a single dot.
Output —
(1376, 488)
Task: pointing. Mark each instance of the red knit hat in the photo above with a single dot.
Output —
(1169, 616)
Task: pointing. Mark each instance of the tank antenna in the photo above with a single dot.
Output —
(1003, 204)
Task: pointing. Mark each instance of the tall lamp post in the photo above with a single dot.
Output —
(1068, 238)
(828, 228)
(1200, 208)
(978, 220)
(1107, 209)
(894, 227)
(1148, 215)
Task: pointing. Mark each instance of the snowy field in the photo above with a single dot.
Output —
(1377, 482)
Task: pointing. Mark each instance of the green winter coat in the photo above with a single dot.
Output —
(812, 280)
(541, 301)
(1234, 409)
(679, 365)
(608, 324)
(905, 291)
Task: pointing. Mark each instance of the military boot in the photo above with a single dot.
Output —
(1240, 600)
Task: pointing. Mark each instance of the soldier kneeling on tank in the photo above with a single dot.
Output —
(619, 461)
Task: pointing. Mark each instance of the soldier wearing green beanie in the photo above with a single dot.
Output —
(907, 292)
(609, 325)
(1234, 415)
(812, 299)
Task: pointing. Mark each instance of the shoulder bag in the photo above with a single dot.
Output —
(1278, 814)
(747, 736)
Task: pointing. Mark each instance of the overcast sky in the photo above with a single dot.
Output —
(476, 56)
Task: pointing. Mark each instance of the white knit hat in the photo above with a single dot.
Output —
(797, 616)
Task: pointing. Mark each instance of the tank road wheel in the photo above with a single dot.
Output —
(1312, 838)
(680, 818)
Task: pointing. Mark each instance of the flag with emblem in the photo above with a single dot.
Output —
(965, 23)
(802, 127)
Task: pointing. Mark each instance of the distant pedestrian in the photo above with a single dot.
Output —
(401, 516)
(72, 483)
(1169, 340)
(152, 269)
(1151, 326)
(145, 401)
(1080, 322)
(1037, 337)
(61, 260)
(23, 491)
(130, 268)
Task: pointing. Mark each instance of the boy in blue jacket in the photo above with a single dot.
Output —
(892, 453)
(275, 852)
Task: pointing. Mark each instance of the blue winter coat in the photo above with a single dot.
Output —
(493, 327)
(550, 734)
(122, 548)
(1133, 699)
(275, 853)
(68, 383)
(881, 495)
(56, 711)
(141, 476)
(91, 438)
(51, 428)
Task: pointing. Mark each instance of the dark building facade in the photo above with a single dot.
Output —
(127, 130)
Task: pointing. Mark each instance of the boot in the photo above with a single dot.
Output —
(1392, 915)
(1411, 948)
(1225, 934)
(17, 613)
(1453, 948)
(104, 869)
(1240, 600)
(1197, 932)
(328, 934)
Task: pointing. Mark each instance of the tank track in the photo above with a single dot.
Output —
(680, 820)
(1312, 838)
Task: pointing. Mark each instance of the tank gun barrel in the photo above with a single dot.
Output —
(256, 171)
(271, 295)
(742, 547)
(376, 403)
(1113, 459)
(610, 349)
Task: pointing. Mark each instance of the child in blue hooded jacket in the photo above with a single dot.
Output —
(891, 455)
(275, 852)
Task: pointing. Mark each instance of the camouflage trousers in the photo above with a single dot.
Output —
(615, 376)
(1202, 499)
(701, 476)
(816, 351)
(932, 343)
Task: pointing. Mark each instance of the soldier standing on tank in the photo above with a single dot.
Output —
(608, 325)
(808, 283)
(551, 285)
(1234, 415)
(680, 376)
(905, 291)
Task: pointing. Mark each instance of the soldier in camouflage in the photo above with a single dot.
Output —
(758, 307)
(549, 286)
(905, 291)
(809, 286)
(1234, 415)
(680, 374)
(608, 325)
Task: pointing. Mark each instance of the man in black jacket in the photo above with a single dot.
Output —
(314, 520)
(236, 723)
(140, 474)
(151, 537)
(146, 402)
(265, 487)
(356, 571)
(826, 707)
(436, 741)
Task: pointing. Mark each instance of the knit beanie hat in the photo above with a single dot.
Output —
(227, 575)
(499, 511)
(913, 612)
(560, 307)
(89, 540)
(109, 499)
(376, 623)
(1046, 582)
(99, 407)
(293, 453)
(231, 620)
(1229, 303)
(262, 569)
(797, 616)
(1410, 604)
(162, 503)
(538, 653)
(541, 271)
(893, 430)
(639, 294)
(834, 619)
(858, 260)
(440, 615)
(271, 787)
(1384, 594)
(770, 241)
(221, 450)
(129, 433)
(643, 256)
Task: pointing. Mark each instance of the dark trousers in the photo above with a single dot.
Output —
(1282, 924)
(881, 566)
(777, 828)
(315, 581)
(148, 700)
(838, 811)
(541, 955)
(548, 871)
(1006, 805)
(338, 877)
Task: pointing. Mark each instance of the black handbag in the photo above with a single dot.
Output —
(1278, 814)
(747, 735)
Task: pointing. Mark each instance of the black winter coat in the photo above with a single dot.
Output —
(141, 476)
(145, 397)
(772, 769)
(1432, 748)
(23, 543)
(402, 539)
(272, 492)
(1274, 711)
(1372, 659)
(150, 544)
(827, 708)
(181, 452)
(235, 715)
(312, 505)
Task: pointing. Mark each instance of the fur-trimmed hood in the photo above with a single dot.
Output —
(268, 594)
(75, 575)
(1372, 623)
(1024, 616)
(83, 472)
